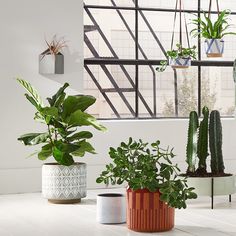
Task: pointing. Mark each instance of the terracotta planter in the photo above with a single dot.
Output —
(64, 184)
(146, 213)
(214, 47)
(181, 63)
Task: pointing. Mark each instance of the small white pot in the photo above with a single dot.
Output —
(214, 47)
(64, 184)
(180, 63)
(203, 185)
(51, 64)
(111, 208)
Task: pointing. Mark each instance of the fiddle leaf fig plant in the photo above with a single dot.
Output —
(145, 166)
(63, 116)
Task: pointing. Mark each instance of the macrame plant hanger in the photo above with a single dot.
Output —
(179, 9)
(214, 47)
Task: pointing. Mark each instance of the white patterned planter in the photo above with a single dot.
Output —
(64, 184)
(214, 47)
(180, 63)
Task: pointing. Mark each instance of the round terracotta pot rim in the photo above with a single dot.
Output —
(56, 164)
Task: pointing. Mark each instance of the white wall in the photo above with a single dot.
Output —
(24, 25)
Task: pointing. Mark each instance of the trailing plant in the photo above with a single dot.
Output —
(215, 139)
(191, 151)
(145, 166)
(202, 145)
(62, 117)
(179, 52)
(212, 30)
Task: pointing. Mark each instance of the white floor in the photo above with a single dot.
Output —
(30, 215)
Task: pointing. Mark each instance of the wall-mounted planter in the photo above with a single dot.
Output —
(214, 47)
(64, 184)
(51, 64)
(111, 208)
(181, 63)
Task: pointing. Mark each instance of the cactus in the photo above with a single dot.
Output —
(202, 145)
(215, 140)
(192, 142)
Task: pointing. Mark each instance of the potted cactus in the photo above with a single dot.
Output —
(63, 181)
(215, 182)
(153, 184)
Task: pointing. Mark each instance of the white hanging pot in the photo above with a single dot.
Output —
(111, 208)
(64, 184)
(214, 47)
(180, 62)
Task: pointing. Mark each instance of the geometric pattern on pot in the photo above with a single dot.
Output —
(180, 62)
(214, 47)
(64, 182)
(147, 213)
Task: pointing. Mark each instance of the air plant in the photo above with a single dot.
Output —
(55, 45)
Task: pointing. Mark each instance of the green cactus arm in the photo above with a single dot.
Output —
(202, 147)
(191, 150)
(215, 140)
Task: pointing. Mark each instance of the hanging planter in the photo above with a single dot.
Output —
(180, 57)
(213, 32)
(51, 61)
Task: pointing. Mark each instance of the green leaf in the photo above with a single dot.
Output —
(33, 138)
(99, 180)
(45, 152)
(63, 158)
(32, 91)
(80, 135)
(58, 97)
(32, 101)
(74, 103)
(80, 118)
(50, 111)
(83, 147)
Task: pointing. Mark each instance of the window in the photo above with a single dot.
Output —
(124, 42)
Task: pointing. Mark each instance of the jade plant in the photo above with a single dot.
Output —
(179, 52)
(63, 118)
(212, 30)
(145, 166)
(211, 131)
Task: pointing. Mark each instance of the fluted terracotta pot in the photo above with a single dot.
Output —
(147, 213)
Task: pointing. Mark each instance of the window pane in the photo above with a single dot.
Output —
(218, 89)
(123, 3)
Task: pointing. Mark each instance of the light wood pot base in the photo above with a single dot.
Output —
(71, 201)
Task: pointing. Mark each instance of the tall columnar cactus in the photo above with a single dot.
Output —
(192, 142)
(215, 140)
(202, 145)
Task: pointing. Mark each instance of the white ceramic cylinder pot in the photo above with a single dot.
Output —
(180, 62)
(111, 208)
(64, 184)
(214, 47)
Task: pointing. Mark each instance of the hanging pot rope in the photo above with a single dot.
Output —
(210, 6)
(180, 10)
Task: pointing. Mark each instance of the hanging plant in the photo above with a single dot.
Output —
(213, 31)
(181, 56)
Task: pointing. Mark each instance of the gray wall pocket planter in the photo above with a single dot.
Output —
(51, 63)
(214, 47)
(64, 184)
(111, 208)
(180, 63)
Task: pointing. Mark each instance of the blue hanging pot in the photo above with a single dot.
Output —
(180, 62)
(214, 47)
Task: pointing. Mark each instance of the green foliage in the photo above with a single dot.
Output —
(180, 52)
(145, 166)
(215, 140)
(212, 30)
(202, 145)
(192, 141)
(62, 117)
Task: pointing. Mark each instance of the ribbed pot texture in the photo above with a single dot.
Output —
(147, 213)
